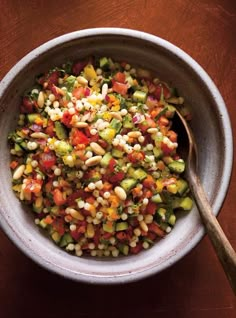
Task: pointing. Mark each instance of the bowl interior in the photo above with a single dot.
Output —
(208, 125)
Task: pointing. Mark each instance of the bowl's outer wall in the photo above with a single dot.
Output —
(210, 124)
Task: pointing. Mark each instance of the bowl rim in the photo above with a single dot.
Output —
(226, 124)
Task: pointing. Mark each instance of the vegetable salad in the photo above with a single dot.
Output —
(95, 157)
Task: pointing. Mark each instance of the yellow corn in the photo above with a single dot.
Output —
(89, 72)
(39, 202)
(38, 121)
(17, 188)
(107, 116)
(28, 169)
(95, 88)
(90, 230)
(172, 188)
(110, 210)
(159, 185)
(92, 211)
(115, 107)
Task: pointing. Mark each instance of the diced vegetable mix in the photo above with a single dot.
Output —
(95, 157)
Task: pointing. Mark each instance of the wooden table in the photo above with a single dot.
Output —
(196, 285)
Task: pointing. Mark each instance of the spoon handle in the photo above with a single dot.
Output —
(222, 246)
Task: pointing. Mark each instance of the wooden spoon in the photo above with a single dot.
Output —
(222, 246)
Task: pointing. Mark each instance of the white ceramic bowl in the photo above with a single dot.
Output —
(210, 124)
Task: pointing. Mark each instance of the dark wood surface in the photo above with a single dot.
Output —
(196, 285)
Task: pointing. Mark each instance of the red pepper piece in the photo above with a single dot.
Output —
(155, 228)
(58, 197)
(78, 137)
(47, 159)
(27, 106)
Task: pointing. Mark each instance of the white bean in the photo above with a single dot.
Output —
(116, 115)
(152, 130)
(143, 226)
(93, 161)
(38, 135)
(96, 148)
(82, 80)
(134, 134)
(120, 192)
(40, 100)
(81, 125)
(18, 172)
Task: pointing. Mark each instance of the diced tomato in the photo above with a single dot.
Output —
(165, 148)
(148, 193)
(56, 91)
(82, 228)
(119, 176)
(136, 156)
(58, 197)
(167, 182)
(148, 123)
(77, 67)
(90, 200)
(122, 236)
(49, 130)
(25, 130)
(79, 92)
(52, 78)
(151, 208)
(152, 236)
(27, 106)
(48, 186)
(107, 186)
(76, 234)
(172, 135)
(59, 225)
(47, 159)
(120, 88)
(154, 112)
(112, 164)
(176, 157)
(92, 138)
(33, 186)
(48, 219)
(163, 121)
(66, 118)
(97, 235)
(148, 140)
(154, 227)
(149, 182)
(134, 223)
(102, 143)
(76, 195)
(78, 137)
(136, 249)
(49, 79)
(107, 235)
(162, 88)
(119, 77)
(13, 164)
